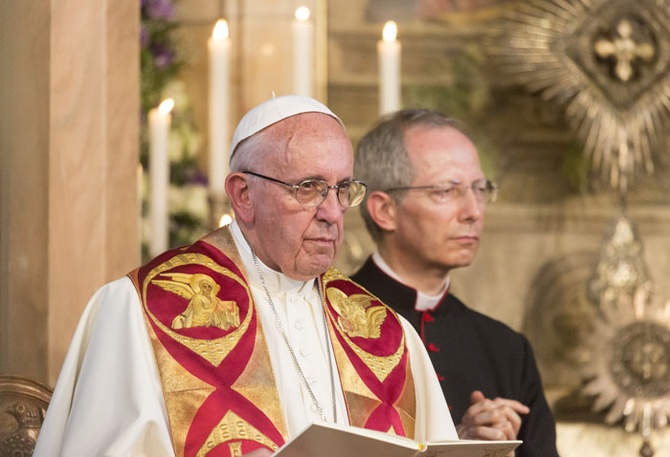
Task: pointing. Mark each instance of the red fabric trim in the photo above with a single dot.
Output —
(385, 416)
(165, 306)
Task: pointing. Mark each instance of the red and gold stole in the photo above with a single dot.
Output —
(215, 368)
(372, 358)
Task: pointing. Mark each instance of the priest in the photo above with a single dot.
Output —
(234, 344)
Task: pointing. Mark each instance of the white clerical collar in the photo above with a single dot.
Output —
(424, 302)
(274, 280)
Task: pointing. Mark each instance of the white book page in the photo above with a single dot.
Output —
(323, 439)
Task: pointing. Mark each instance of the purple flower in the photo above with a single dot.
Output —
(195, 176)
(159, 9)
(163, 56)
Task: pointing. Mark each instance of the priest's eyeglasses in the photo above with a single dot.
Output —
(485, 191)
(312, 192)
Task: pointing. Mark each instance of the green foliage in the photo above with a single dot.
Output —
(467, 95)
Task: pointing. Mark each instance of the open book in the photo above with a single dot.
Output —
(323, 439)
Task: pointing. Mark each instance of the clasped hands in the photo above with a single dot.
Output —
(486, 419)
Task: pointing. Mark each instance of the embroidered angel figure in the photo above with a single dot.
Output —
(204, 308)
(357, 317)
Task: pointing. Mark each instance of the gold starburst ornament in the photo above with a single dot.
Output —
(607, 62)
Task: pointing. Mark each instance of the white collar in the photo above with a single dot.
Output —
(424, 302)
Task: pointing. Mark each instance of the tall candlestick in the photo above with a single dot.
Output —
(159, 173)
(388, 53)
(303, 52)
(219, 107)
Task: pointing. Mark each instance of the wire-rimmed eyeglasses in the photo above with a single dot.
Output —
(484, 190)
(312, 192)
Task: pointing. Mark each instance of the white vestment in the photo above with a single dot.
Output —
(108, 400)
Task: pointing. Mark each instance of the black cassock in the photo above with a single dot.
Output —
(471, 351)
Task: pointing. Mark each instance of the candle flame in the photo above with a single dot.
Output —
(166, 106)
(220, 31)
(226, 219)
(390, 31)
(302, 13)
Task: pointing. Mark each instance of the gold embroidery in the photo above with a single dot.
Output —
(214, 350)
(233, 427)
(357, 317)
(333, 274)
(235, 449)
(186, 392)
(381, 366)
(204, 308)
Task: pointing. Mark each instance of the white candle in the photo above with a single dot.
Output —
(140, 189)
(388, 53)
(303, 52)
(159, 173)
(219, 106)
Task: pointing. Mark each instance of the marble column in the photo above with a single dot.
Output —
(69, 129)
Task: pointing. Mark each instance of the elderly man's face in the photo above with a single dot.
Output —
(302, 242)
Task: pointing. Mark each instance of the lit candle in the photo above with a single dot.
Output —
(159, 173)
(303, 52)
(219, 107)
(388, 53)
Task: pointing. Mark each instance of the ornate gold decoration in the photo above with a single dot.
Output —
(204, 308)
(333, 274)
(629, 369)
(621, 269)
(233, 427)
(357, 317)
(381, 366)
(624, 50)
(607, 62)
(214, 350)
(23, 403)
